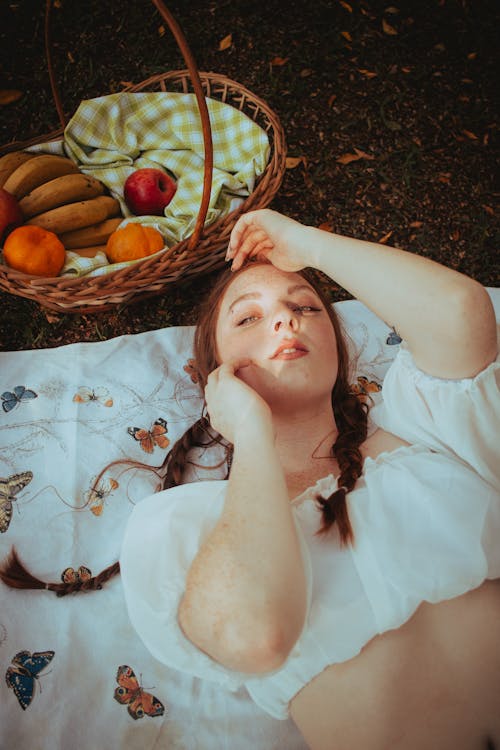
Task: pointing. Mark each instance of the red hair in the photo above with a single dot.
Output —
(350, 413)
(350, 416)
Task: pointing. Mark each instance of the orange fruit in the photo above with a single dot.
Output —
(133, 241)
(35, 251)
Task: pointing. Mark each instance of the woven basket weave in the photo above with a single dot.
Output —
(198, 254)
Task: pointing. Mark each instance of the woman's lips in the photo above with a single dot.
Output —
(295, 354)
(290, 350)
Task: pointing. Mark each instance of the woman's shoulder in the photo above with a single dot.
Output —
(381, 441)
(458, 417)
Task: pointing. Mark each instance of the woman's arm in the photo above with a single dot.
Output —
(245, 597)
(446, 318)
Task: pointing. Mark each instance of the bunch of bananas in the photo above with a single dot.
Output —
(53, 194)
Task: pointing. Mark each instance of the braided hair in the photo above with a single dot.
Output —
(350, 414)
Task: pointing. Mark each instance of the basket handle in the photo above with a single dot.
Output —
(200, 98)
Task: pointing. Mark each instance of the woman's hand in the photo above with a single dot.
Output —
(235, 408)
(268, 235)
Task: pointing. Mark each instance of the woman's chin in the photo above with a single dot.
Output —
(288, 390)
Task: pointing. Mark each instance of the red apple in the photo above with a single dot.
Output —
(11, 215)
(147, 192)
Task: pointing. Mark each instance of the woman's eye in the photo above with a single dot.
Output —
(248, 319)
(306, 308)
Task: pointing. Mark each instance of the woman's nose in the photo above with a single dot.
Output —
(285, 318)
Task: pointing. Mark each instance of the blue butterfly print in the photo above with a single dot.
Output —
(23, 672)
(393, 338)
(13, 399)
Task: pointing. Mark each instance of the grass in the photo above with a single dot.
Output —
(422, 101)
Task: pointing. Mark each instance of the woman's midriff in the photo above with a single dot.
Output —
(432, 683)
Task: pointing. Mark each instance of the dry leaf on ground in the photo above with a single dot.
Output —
(226, 42)
(348, 158)
(293, 161)
(388, 29)
(8, 96)
(279, 60)
(386, 237)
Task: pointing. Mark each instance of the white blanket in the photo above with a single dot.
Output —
(66, 413)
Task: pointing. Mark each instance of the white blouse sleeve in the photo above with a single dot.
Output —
(460, 417)
(162, 538)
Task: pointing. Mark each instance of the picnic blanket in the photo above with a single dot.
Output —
(73, 671)
(110, 137)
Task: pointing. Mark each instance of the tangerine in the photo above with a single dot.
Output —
(35, 251)
(133, 241)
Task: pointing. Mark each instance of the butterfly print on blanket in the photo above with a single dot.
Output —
(130, 693)
(191, 368)
(21, 676)
(97, 495)
(363, 387)
(393, 338)
(19, 395)
(86, 395)
(8, 490)
(70, 575)
(149, 438)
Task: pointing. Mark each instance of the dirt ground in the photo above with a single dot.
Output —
(390, 114)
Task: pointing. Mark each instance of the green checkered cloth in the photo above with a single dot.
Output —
(112, 136)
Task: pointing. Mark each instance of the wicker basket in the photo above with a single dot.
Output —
(198, 254)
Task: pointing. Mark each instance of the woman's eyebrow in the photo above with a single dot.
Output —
(256, 295)
(248, 295)
(300, 287)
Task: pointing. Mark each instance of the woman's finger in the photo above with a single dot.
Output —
(255, 242)
(248, 239)
(237, 234)
(232, 366)
(229, 368)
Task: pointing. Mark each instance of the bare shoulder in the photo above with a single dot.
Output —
(381, 441)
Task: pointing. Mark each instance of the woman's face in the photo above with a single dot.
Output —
(278, 321)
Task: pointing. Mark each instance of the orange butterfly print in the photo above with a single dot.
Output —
(363, 387)
(191, 369)
(86, 395)
(149, 438)
(130, 693)
(97, 495)
(70, 575)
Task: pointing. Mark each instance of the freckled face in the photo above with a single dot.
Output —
(277, 319)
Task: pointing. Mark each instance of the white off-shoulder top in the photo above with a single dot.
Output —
(426, 521)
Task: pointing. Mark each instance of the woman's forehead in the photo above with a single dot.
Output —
(261, 277)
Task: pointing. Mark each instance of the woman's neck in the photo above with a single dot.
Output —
(304, 440)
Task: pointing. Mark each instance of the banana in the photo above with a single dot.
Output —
(66, 189)
(76, 215)
(12, 161)
(90, 236)
(90, 252)
(36, 171)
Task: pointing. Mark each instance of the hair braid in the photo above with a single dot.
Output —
(14, 574)
(350, 416)
(199, 435)
(351, 419)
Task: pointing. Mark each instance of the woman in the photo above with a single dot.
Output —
(341, 629)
